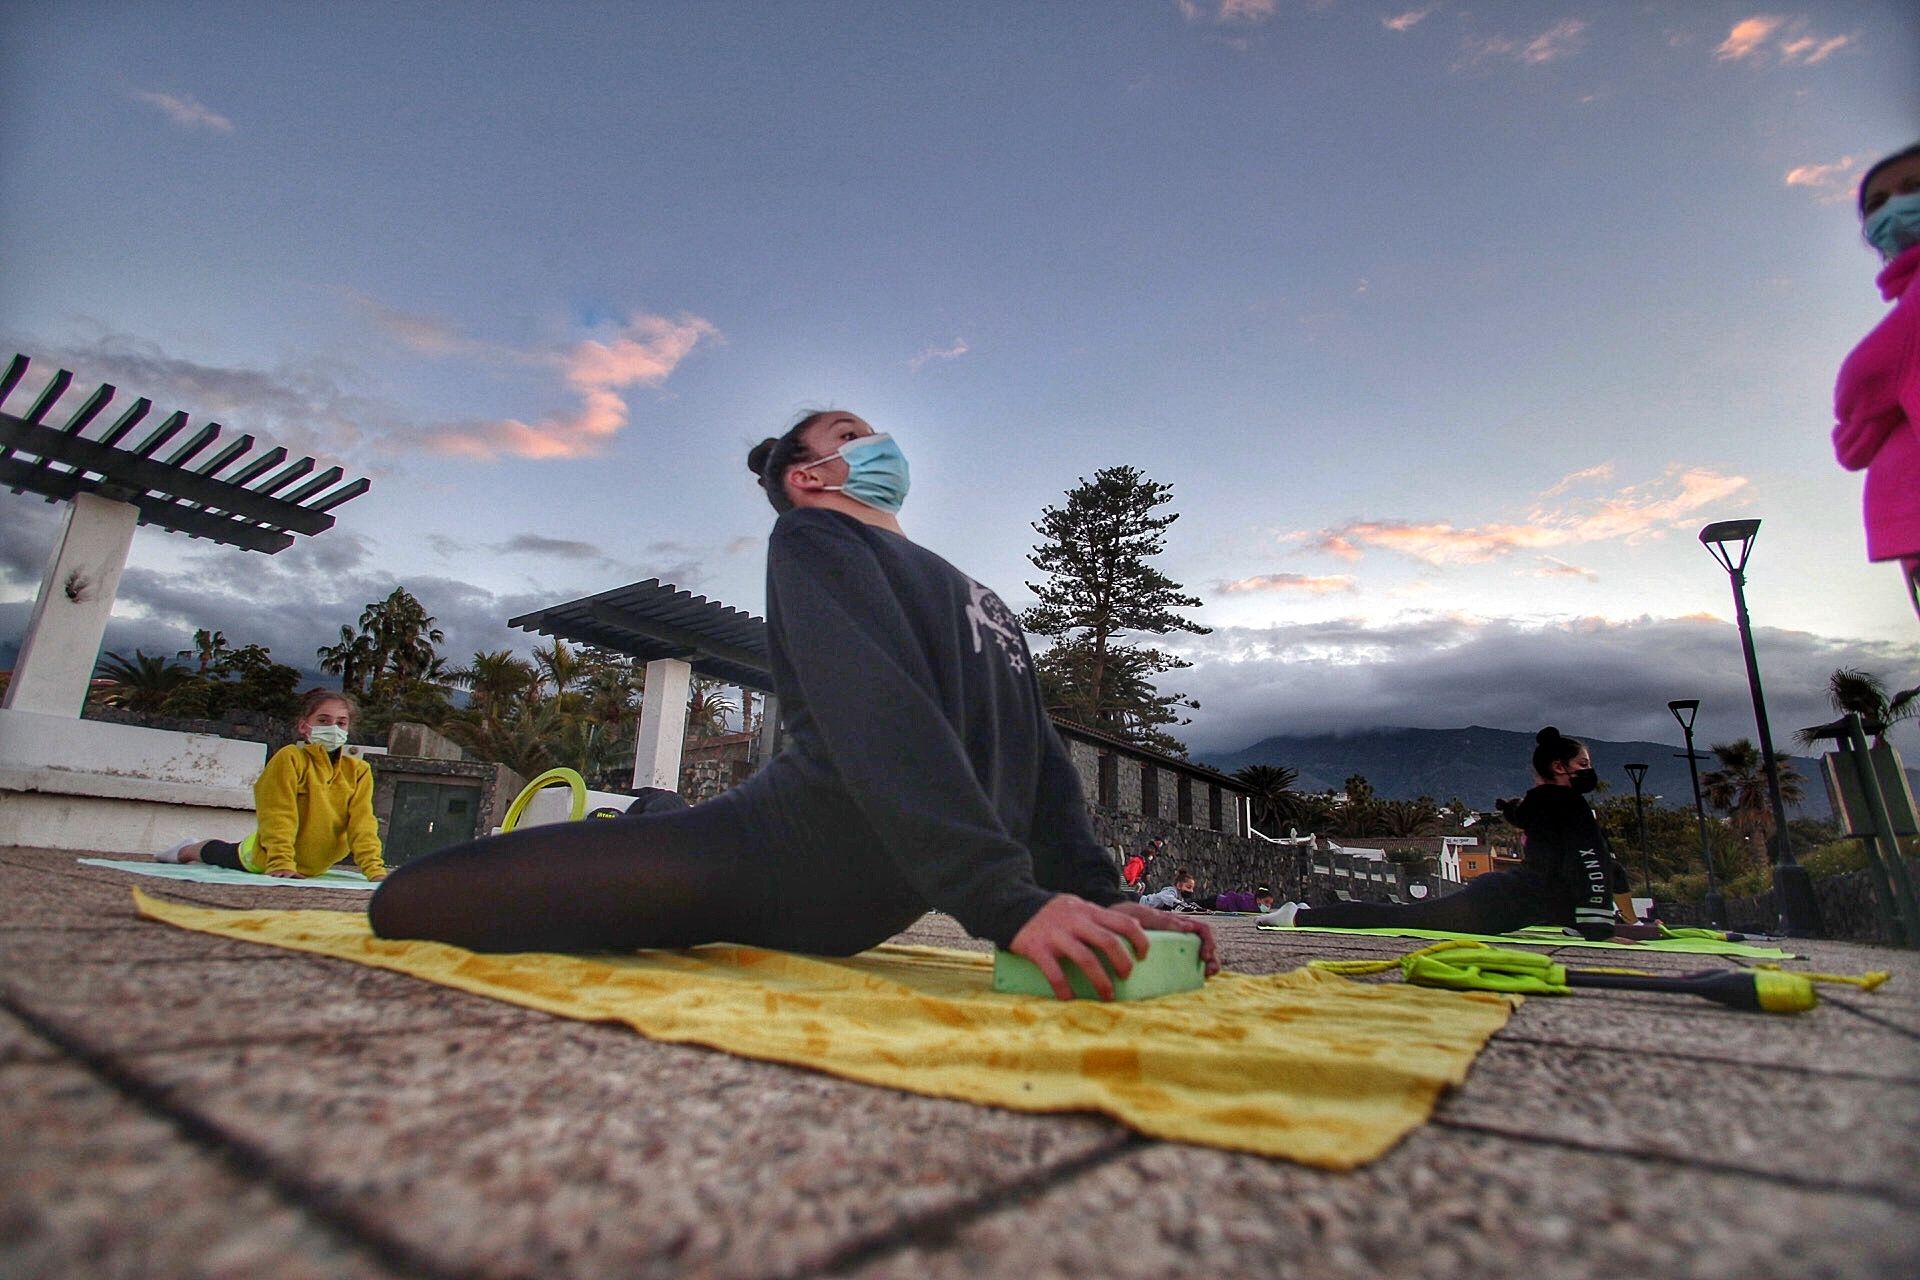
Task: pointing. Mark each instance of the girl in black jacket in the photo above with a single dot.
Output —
(1568, 877)
(919, 771)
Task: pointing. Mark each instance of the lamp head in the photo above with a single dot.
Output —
(1729, 541)
(1637, 772)
(1684, 710)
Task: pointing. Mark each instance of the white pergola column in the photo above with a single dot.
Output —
(69, 622)
(663, 724)
(769, 727)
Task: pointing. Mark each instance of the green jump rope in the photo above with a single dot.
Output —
(1474, 966)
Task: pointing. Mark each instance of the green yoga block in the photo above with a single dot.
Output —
(1172, 964)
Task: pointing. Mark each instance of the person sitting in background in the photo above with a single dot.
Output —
(1177, 896)
(1261, 899)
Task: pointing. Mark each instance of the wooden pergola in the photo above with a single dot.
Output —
(172, 476)
(678, 635)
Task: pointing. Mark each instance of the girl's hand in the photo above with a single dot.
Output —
(1154, 918)
(378, 875)
(288, 874)
(1070, 928)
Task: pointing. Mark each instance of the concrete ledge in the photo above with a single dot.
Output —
(97, 824)
(111, 786)
(32, 741)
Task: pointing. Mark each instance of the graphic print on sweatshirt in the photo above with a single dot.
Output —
(985, 610)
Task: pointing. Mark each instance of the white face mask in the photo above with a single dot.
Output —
(331, 736)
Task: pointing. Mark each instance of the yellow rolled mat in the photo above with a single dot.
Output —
(1302, 1065)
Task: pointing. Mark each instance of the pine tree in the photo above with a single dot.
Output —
(1099, 588)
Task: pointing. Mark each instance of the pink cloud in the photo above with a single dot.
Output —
(1602, 472)
(1750, 38)
(1307, 583)
(1557, 41)
(643, 354)
(184, 110)
(1560, 40)
(1808, 50)
(1628, 515)
(1556, 568)
(1406, 21)
(1246, 10)
(954, 352)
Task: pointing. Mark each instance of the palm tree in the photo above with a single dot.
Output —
(403, 636)
(497, 680)
(562, 668)
(1405, 819)
(352, 660)
(209, 648)
(527, 743)
(1738, 788)
(707, 710)
(142, 682)
(1851, 689)
(1274, 799)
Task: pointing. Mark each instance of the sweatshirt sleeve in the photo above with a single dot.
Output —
(276, 808)
(1866, 398)
(1072, 859)
(363, 829)
(870, 693)
(1586, 874)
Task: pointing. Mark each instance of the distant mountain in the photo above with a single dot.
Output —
(1477, 765)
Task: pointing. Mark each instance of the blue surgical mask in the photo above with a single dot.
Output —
(1894, 227)
(330, 736)
(876, 471)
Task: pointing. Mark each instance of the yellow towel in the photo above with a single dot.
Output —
(1303, 1065)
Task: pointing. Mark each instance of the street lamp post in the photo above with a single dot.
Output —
(1715, 904)
(1730, 542)
(1638, 772)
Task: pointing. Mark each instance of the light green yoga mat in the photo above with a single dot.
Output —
(1554, 938)
(333, 878)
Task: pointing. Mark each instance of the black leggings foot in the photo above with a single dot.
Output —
(1498, 902)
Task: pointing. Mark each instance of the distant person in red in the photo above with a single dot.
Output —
(1877, 399)
(1134, 874)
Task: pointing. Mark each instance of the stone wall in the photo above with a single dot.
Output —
(1847, 909)
(1220, 862)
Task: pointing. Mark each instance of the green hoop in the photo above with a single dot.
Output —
(551, 778)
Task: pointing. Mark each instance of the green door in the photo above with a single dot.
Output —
(429, 816)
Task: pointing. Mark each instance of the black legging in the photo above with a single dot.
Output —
(1497, 902)
(222, 853)
(746, 867)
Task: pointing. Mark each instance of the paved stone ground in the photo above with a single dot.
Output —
(180, 1105)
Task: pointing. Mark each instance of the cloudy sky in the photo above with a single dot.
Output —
(1449, 325)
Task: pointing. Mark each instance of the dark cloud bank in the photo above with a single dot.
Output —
(1607, 680)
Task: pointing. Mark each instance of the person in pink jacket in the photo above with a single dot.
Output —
(1877, 399)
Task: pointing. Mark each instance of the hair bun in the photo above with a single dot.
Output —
(758, 455)
(1546, 735)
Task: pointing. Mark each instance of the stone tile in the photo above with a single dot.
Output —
(587, 1150)
(270, 995)
(20, 1043)
(1675, 1027)
(45, 898)
(130, 941)
(91, 1185)
(1840, 1131)
(1876, 1011)
(1442, 1205)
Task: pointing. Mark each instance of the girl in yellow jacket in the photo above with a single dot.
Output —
(313, 804)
